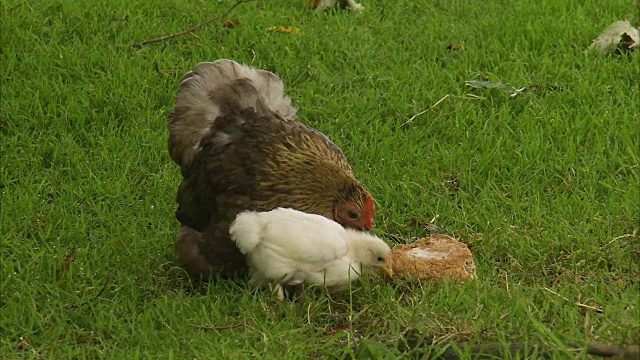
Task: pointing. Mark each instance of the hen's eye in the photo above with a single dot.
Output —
(352, 215)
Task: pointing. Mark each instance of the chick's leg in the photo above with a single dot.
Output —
(354, 5)
(279, 292)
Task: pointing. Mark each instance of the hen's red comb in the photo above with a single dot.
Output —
(369, 211)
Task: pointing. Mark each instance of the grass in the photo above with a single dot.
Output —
(544, 185)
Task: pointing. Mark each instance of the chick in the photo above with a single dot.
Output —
(288, 247)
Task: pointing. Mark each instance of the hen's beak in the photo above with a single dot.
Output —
(387, 267)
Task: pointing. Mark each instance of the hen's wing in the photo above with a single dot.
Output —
(225, 174)
(253, 159)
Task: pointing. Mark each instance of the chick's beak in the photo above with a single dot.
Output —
(387, 267)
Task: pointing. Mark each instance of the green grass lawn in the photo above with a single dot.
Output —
(544, 186)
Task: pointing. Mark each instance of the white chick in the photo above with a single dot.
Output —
(290, 247)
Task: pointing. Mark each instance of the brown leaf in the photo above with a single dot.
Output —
(336, 329)
(64, 266)
(231, 23)
(284, 29)
(456, 47)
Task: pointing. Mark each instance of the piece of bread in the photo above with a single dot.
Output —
(436, 257)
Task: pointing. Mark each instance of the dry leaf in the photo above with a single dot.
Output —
(336, 329)
(479, 84)
(230, 23)
(619, 35)
(456, 47)
(64, 266)
(284, 29)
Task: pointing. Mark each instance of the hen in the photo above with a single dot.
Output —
(290, 247)
(234, 135)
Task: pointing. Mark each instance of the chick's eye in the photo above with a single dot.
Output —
(380, 258)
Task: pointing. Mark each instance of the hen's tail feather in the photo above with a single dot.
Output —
(198, 102)
(246, 231)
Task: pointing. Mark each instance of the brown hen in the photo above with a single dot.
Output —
(234, 135)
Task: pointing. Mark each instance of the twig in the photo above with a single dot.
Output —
(594, 308)
(424, 111)
(555, 293)
(517, 349)
(633, 234)
(25, 341)
(506, 281)
(478, 309)
(226, 327)
(192, 29)
(94, 298)
(16, 6)
(473, 96)
(397, 238)
(603, 350)
(585, 324)
(217, 327)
